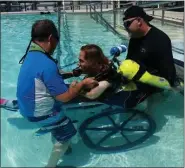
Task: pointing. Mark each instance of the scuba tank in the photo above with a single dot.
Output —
(133, 71)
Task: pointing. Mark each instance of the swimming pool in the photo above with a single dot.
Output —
(21, 148)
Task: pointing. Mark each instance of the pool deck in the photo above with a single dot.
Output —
(171, 16)
(67, 11)
(175, 35)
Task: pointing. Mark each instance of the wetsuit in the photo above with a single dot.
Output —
(154, 52)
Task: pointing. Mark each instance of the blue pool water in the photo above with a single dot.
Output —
(21, 148)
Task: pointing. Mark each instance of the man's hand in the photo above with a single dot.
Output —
(74, 91)
(90, 83)
(73, 84)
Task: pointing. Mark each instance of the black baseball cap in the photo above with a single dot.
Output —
(136, 11)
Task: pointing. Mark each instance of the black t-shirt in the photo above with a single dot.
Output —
(154, 51)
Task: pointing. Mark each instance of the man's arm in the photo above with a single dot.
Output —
(74, 91)
(166, 62)
(58, 89)
(97, 91)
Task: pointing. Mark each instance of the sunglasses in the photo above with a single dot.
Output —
(127, 23)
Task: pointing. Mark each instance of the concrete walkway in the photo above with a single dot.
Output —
(174, 32)
(51, 11)
(169, 16)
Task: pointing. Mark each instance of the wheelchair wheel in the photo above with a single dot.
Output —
(116, 130)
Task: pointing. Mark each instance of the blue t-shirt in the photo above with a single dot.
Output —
(38, 83)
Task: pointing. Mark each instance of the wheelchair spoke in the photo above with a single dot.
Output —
(117, 126)
(134, 129)
(106, 137)
(102, 129)
(125, 122)
(124, 136)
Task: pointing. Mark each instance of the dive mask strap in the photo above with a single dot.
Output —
(24, 56)
(35, 47)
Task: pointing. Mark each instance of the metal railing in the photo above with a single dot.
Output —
(169, 19)
(161, 6)
(98, 18)
(150, 6)
(178, 50)
(94, 6)
(66, 36)
(22, 6)
(98, 5)
(59, 51)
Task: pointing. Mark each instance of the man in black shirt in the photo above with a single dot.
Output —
(148, 46)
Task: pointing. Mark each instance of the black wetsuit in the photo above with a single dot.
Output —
(154, 52)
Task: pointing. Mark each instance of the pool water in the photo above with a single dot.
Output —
(21, 148)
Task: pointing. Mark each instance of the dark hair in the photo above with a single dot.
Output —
(41, 30)
(94, 53)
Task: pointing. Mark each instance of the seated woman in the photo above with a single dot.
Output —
(92, 62)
